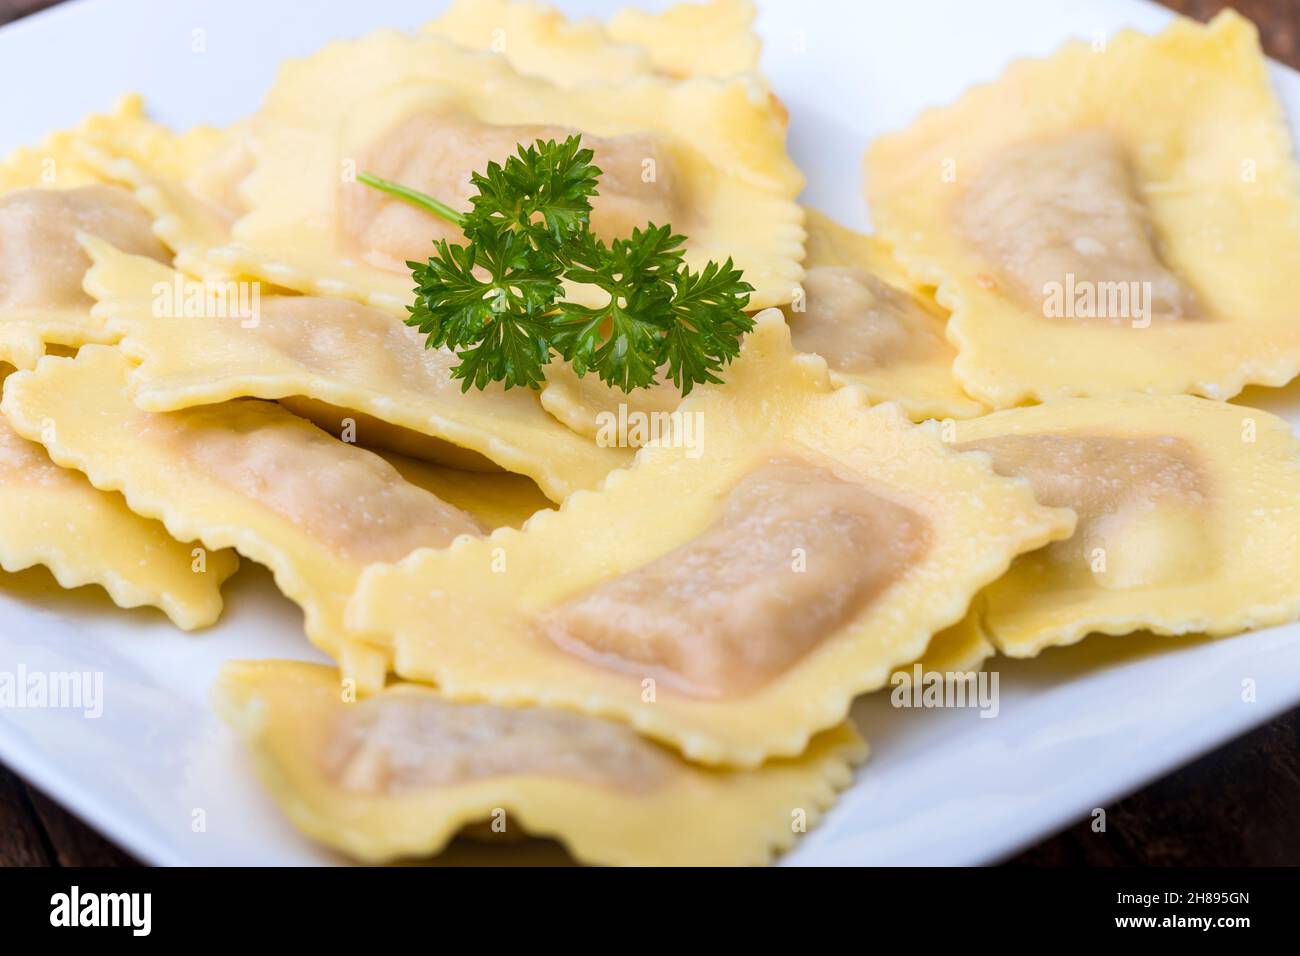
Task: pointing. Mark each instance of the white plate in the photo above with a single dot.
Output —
(1077, 728)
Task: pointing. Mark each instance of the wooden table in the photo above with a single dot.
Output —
(1233, 807)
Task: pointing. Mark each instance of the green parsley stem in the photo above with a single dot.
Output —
(414, 197)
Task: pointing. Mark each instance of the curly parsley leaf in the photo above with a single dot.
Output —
(543, 192)
(489, 304)
(497, 301)
(620, 340)
(708, 310)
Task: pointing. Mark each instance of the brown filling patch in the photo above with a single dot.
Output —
(353, 342)
(796, 552)
(41, 264)
(1141, 502)
(399, 743)
(1059, 219)
(857, 322)
(348, 499)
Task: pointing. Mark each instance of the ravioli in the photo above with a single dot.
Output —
(335, 351)
(189, 181)
(59, 161)
(41, 264)
(83, 155)
(47, 195)
(688, 39)
(130, 132)
(707, 154)
(849, 536)
(874, 329)
(1132, 224)
(399, 774)
(1189, 514)
(53, 163)
(247, 475)
(55, 518)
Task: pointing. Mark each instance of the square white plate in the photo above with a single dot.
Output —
(1077, 728)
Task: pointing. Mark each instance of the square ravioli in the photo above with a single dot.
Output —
(246, 475)
(706, 155)
(1189, 519)
(397, 775)
(778, 550)
(341, 353)
(1116, 218)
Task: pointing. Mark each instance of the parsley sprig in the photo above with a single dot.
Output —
(497, 300)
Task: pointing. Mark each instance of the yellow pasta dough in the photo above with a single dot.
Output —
(56, 518)
(1189, 519)
(1120, 218)
(603, 413)
(730, 594)
(53, 163)
(397, 775)
(957, 650)
(47, 195)
(350, 425)
(688, 39)
(247, 475)
(129, 131)
(537, 40)
(201, 343)
(496, 500)
(59, 162)
(693, 39)
(707, 154)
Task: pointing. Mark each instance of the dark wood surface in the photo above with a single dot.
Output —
(1236, 806)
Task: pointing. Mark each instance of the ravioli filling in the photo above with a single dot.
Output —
(1141, 504)
(354, 342)
(1061, 222)
(436, 153)
(796, 552)
(42, 264)
(348, 498)
(855, 321)
(399, 743)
